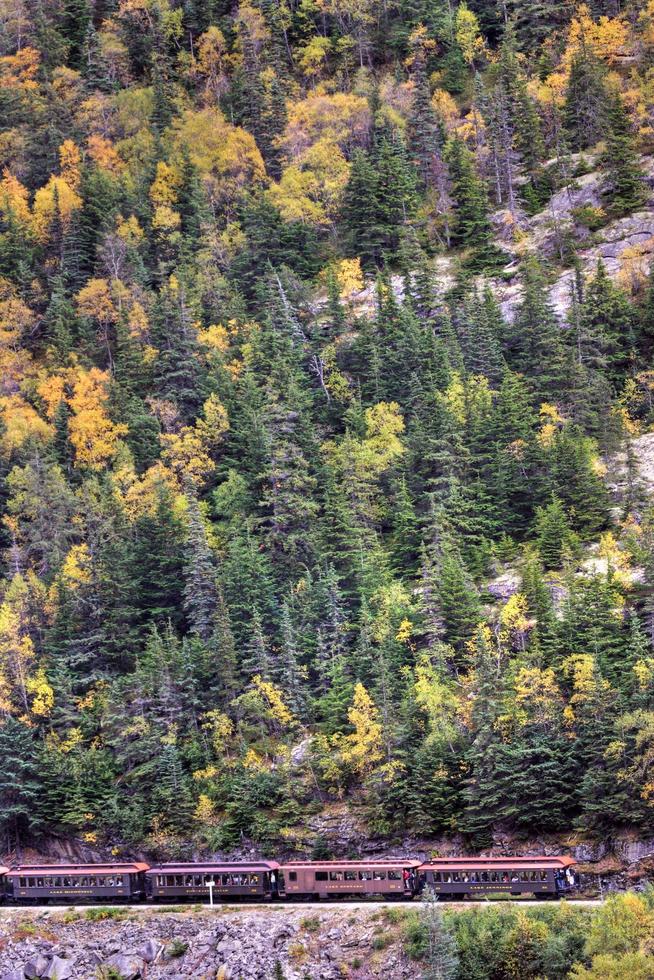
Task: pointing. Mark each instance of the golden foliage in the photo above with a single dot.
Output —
(56, 200)
(226, 156)
(188, 453)
(363, 749)
(21, 423)
(92, 433)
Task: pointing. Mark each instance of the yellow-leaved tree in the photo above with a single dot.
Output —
(363, 749)
(93, 435)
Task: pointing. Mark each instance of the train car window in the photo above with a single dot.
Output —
(543, 876)
(321, 876)
(365, 876)
(495, 876)
(188, 881)
(161, 881)
(292, 876)
(170, 880)
(456, 876)
(254, 879)
(39, 882)
(335, 876)
(524, 876)
(515, 876)
(474, 876)
(350, 876)
(379, 875)
(484, 876)
(436, 876)
(532, 876)
(394, 876)
(47, 882)
(119, 881)
(179, 881)
(22, 882)
(92, 882)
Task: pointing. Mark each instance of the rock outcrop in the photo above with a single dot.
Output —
(201, 943)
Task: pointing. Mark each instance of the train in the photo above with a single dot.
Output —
(389, 879)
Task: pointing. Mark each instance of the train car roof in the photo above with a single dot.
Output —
(329, 865)
(245, 866)
(506, 857)
(78, 869)
(465, 864)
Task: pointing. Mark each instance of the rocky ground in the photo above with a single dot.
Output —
(230, 944)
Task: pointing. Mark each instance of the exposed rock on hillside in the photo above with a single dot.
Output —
(232, 945)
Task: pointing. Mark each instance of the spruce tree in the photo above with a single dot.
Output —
(472, 228)
(624, 174)
(585, 103)
(553, 533)
(200, 591)
(20, 787)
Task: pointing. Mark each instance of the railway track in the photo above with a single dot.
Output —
(279, 906)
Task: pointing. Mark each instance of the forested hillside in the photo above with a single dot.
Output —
(284, 395)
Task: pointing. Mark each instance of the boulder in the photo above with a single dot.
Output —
(126, 965)
(150, 950)
(58, 969)
(36, 967)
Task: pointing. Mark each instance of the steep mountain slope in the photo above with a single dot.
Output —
(317, 320)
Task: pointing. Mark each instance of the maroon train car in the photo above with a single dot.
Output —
(247, 880)
(543, 877)
(76, 882)
(392, 878)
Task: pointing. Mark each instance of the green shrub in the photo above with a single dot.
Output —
(177, 948)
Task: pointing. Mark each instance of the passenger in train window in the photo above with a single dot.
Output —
(515, 876)
(543, 876)
(505, 876)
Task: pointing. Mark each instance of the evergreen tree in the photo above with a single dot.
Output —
(442, 959)
(623, 171)
(472, 229)
(535, 344)
(553, 533)
(585, 102)
(200, 590)
(20, 786)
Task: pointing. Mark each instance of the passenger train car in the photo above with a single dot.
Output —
(465, 877)
(388, 879)
(35, 884)
(397, 878)
(176, 881)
